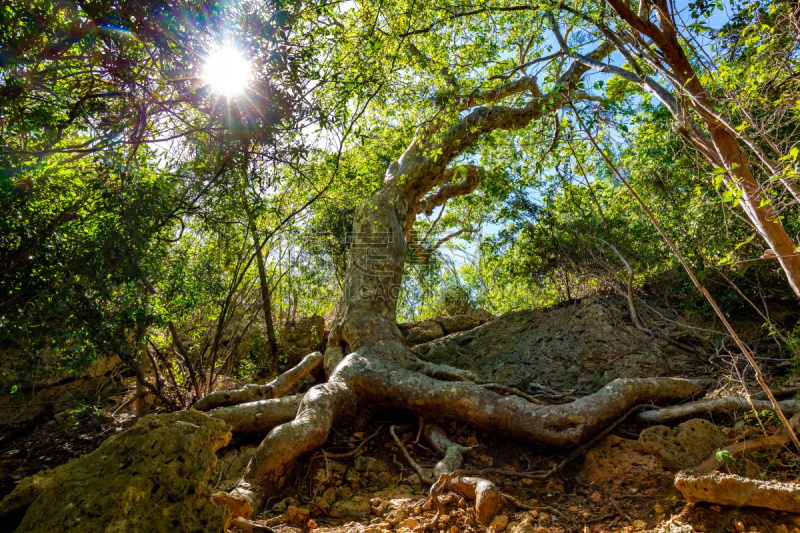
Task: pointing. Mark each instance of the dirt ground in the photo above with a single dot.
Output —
(614, 486)
(360, 481)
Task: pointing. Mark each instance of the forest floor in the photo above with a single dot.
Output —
(614, 486)
(361, 481)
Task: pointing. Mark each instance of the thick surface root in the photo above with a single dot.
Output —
(452, 452)
(371, 380)
(250, 393)
(320, 408)
(718, 407)
(488, 500)
(377, 382)
(259, 417)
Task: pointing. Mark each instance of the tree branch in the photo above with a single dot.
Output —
(473, 175)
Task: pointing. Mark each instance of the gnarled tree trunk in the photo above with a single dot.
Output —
(366, 360)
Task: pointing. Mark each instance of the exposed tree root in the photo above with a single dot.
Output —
(250, 527)
(488, 500)
(378, 382)
(259, 417)
(717, 407)
(250, 393)
(444, 372)
(452, 452)
(511, 390)
(425, 476)
(485, 493)
(369, 379)
(322, 406)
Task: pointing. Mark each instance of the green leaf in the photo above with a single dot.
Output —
(724, 456)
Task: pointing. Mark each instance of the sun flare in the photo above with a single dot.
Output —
(227, 71)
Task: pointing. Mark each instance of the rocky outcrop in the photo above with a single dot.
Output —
(420, 332)
(54, 398)
(621, 462)
(302, 337)
(686, 446)
(729, 489)
(435, 328)
(581, 345)
(151, 477)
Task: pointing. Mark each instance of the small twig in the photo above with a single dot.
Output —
(434, 495)
(249, 526)
(501, 472)
(512, 390)
(423, 475)
(525, 507)
(353, 452)
(619, 510)
(399, 464)
(604, 517)
(547, 389)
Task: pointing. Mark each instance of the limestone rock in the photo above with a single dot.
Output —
(482, 315)
(365, 463)
(499, 523)
(582, 346)
(527, 525)
(231, 467)
(396, 516)
(323, 504)
(729, 489)
(285, 503)
(297, 514)
(329, 494)
(454, 324)
(409, 523)
(355, 508)
(672, 526)
(151, 477)
(413, 479)
(302, 337)
(424, 331)
(620, 461)
(686, 446)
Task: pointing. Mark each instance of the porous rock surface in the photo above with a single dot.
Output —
(302, 337)
(580, 345)
(621, 462)
(685, 446)
(421, 332)
(434, 328)
(151, 477)
(729, 489)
